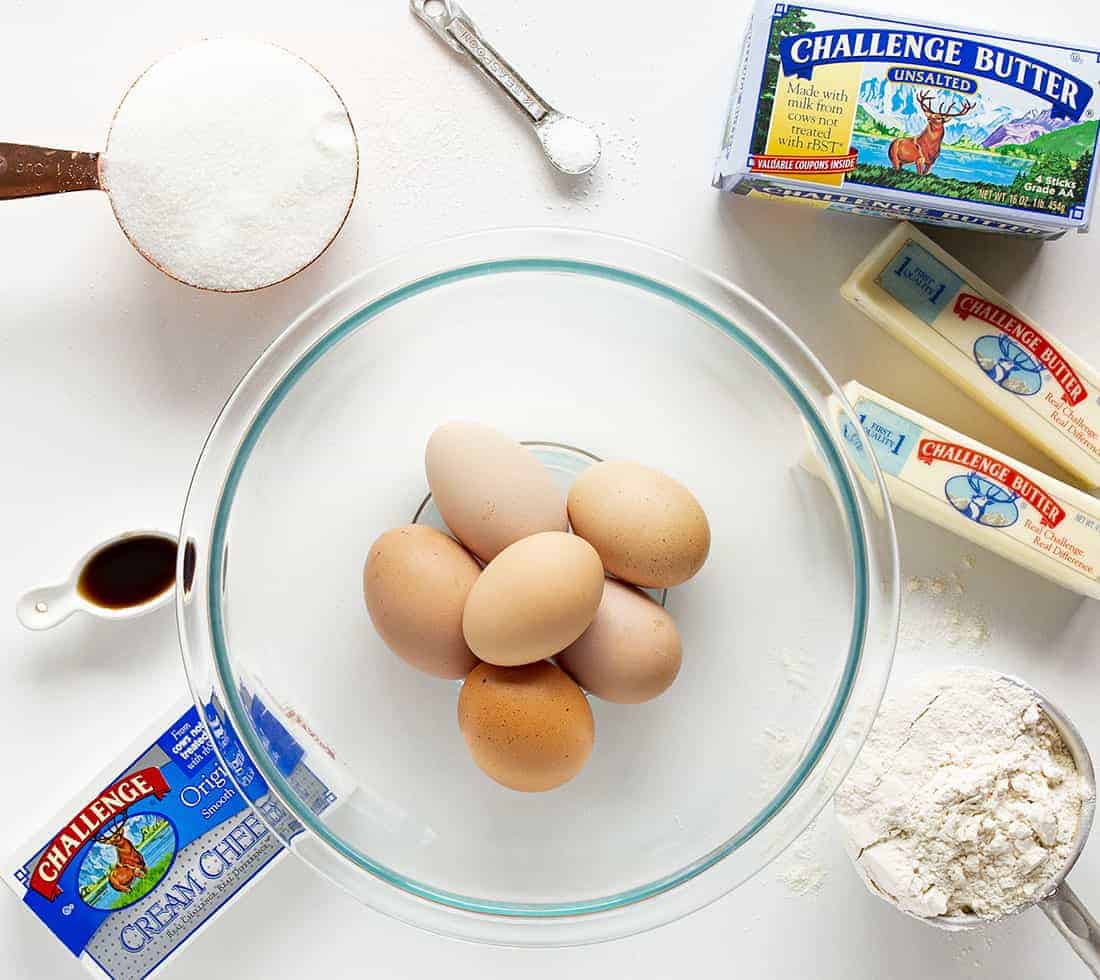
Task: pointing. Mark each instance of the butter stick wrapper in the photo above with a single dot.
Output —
(965, 329)
(968, 488)
(141, 860)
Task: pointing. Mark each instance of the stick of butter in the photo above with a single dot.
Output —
(959, 483)
(970, 333)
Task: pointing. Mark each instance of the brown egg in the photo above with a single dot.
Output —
(630, 653)
(534, 599)
(490, 491)
(416, 581)
(648, 529)
(529, 728)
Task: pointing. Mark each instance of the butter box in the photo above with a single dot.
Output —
(903, 119)
(139, 861)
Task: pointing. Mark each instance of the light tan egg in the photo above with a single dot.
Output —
(534, 599)
(631, 653)
(648, 529)
(530, 728)
(415, 582)
(490, 491)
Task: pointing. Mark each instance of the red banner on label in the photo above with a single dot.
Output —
(772, 164)
(931, 451)
(85, 826)
(1073, 388)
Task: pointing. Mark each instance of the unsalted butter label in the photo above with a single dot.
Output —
(980, 487)
(1005, 349)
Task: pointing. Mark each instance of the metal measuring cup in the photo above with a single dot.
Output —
(27, 170)
(1057, 899)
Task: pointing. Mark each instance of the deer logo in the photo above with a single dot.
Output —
(129, 864)
(1009, 365)
(982, 501)
(924, 150)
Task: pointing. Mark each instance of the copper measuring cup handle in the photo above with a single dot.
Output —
(30, 171)
(1076, 924)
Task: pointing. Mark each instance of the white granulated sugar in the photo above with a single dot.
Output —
(571, 144)
(231, 164)
(964, 800)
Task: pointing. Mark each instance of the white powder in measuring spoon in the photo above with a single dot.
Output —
(231, 164)
(965, 799)
(572, 146)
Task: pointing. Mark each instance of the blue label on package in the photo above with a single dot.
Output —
(893, 439)
(155, 849)
(920, 282)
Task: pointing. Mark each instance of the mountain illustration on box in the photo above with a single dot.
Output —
(896, 109)
(1030, 126)
(888, 109)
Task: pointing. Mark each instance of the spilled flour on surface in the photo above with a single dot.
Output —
(937, 609)
(798, 669)
(801, 868)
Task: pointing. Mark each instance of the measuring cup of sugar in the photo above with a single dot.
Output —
(126, 576)
(1055, 897)
(230, 165)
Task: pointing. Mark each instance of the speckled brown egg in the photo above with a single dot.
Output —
(534, 599)
(529, 728)
(631, 653)
(490, 490)
(649, 530)
(416, 582)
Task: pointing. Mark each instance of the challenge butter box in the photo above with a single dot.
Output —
(896, 118)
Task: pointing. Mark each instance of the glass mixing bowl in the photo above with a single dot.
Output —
(588, 346)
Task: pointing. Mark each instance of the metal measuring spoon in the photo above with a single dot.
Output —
(572, 146)
(1057, 899)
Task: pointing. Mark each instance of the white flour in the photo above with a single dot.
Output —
(801, 868)
(936, 611)
(231, 164)
(964, 800)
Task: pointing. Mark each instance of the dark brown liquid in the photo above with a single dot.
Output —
(129, 572)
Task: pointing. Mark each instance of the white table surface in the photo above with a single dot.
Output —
(111, 375)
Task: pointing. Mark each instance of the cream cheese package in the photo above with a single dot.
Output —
(968, 488)
(905, 119)
(157, 845)
(969, 332)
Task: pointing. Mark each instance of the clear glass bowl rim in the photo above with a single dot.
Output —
(666, 276)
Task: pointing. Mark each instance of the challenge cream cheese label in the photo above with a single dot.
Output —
(150, 853)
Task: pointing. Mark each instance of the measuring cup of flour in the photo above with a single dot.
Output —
(970, 802)
(230, 165)
(126, 576)
(1055, 897)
